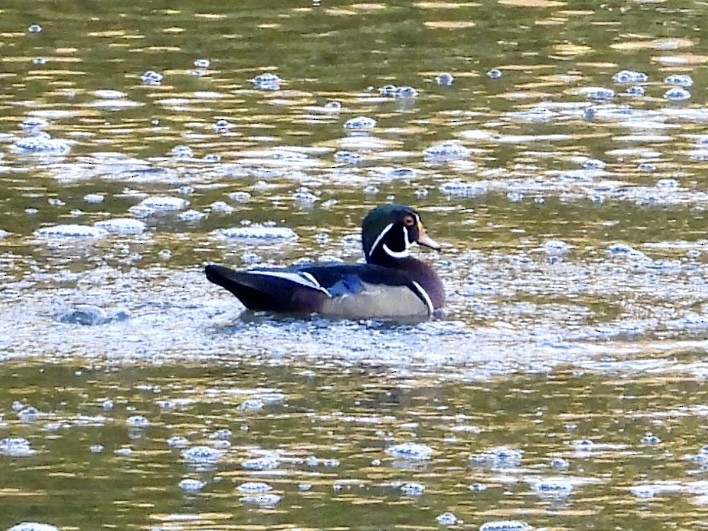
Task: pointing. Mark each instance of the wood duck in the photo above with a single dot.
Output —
(390, 285)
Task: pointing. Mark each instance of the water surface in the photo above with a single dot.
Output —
(559, 162)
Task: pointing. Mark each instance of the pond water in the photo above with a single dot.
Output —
(556, 150)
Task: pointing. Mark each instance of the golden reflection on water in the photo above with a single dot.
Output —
(532, 3)
(450, 24)
(353, 416)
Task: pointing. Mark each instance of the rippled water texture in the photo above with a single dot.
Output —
(556, 149)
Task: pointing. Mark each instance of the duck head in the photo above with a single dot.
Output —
(388, 232)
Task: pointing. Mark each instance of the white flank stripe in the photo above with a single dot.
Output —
(304, 279)
(425, 296)
(310, 277)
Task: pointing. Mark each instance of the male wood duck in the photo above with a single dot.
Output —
(390, 285)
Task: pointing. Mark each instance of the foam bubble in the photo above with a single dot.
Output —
(123, 226)
(71, 231)
(410, 450)
(33, 526)
(258, 233)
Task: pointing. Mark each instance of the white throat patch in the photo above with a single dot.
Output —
(393, 254)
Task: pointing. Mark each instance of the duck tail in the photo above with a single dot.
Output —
(266, 291)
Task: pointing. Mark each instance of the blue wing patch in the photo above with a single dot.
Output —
(347, 285)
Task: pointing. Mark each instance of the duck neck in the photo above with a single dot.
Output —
(417, 271)
(381, 258)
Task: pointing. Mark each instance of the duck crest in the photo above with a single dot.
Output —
(388, 227)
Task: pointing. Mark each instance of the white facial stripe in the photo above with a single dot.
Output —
(395, 254)
(405, 237)
(425, 296)
(379, 238)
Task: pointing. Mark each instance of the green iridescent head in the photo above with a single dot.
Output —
(391, 229)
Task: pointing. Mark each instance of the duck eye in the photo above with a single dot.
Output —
(409, 221)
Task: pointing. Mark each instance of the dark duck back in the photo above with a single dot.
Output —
(390, 285)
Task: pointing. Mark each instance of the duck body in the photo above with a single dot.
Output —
(390, 285)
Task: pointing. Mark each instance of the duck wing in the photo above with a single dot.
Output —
(357, 291)
(278, 290)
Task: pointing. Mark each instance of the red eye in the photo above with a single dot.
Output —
(409, 221)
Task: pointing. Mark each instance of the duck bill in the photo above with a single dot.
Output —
(425, 240)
